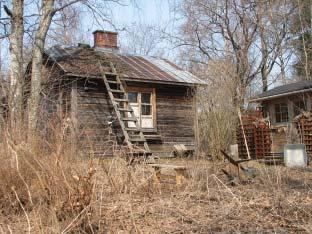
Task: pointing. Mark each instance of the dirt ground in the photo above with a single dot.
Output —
(126, 200)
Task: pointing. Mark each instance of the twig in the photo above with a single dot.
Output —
(70, 226)
(227, 188)
(20, 203)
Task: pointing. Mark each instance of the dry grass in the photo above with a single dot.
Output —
(278, 201)
(49, 190)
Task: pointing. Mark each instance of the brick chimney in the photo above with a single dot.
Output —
(105, 40)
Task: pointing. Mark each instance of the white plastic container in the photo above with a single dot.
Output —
(295, 155)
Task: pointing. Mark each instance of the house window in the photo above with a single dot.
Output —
(299, 106)
(281, 113)
(146, 104)
(133, 97)
(142, 101)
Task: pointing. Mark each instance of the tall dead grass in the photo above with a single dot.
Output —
(43, 182)
(45, 188)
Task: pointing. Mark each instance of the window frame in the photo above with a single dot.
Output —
(152, 91)
(150, 104)
(280, 112)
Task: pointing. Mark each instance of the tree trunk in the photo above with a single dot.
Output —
(16, 65)
(264, 77)
(46, 14)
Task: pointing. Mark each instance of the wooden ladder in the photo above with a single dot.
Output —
(133, 136)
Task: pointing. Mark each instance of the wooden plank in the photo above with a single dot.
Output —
(170, 166)
(180, 171)
(74, 116)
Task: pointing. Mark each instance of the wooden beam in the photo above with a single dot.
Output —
(74, 116)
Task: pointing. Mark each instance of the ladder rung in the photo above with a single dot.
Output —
(125, 110)
(130, 119)
(135, 136)
(116, 91)
(137, 140)
(110, 73)
(120, 100)
(140, 153)
(133, 129)
(113, 82)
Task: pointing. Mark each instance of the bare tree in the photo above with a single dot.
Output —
(143, 39)
(66, 27)
(217, 112)
(302, 30)
(16, 56)
(224, 29)
(46, 13)
(246, 32)
(273, 21)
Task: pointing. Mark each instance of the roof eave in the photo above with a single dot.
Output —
(279, 95)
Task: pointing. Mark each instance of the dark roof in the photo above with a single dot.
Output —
(83, 61)
(284, 90)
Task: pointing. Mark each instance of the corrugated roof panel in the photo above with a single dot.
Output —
(157, 71)
(150, 69)
(179, 74)
(85, 61)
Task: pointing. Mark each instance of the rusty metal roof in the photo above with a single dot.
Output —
(82, 61)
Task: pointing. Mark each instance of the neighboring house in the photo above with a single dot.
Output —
(156, 91)
(283, 103)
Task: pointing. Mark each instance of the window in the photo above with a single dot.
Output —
(299, 106)
(133, 97)
(146, 106)
(141, 101)
(281, 113)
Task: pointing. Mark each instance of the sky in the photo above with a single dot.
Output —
(153, 12)
(150, 11)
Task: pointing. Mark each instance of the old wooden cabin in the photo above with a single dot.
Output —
(111, 97)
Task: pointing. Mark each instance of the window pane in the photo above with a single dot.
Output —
(284, 117)
(284, 108)
(146, 110)
(281, 112)
(146, 98)
(278, 118)
(133, 97)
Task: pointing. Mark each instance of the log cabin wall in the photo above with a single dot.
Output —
(93, 114)
(54, 107)
(175, 117)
